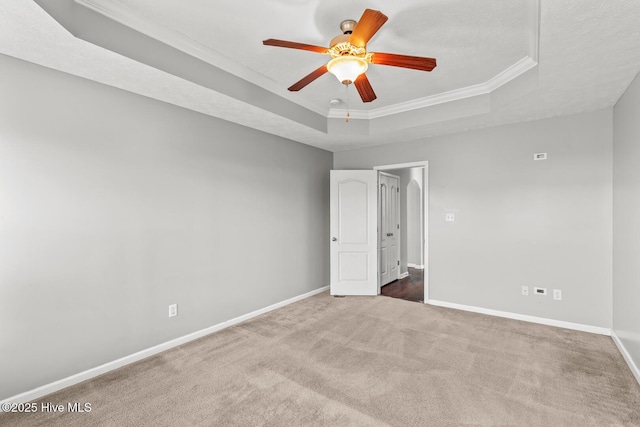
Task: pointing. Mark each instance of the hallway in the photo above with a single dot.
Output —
(411, 288)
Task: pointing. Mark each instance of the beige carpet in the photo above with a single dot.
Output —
(363, 361)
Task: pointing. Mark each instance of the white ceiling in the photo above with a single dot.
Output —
(499, 61)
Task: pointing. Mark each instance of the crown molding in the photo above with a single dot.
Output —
(192, 47)
(507, 75)
(534, 13)
(510, 73)
(341, 113)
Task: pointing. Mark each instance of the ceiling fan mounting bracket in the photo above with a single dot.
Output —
(347, 26)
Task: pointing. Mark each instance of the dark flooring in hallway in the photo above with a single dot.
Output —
(411, 288)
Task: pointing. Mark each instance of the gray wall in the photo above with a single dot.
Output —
(626, 220)
(113, 206)
(519, 221)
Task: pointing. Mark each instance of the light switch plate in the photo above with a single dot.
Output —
(173, 310)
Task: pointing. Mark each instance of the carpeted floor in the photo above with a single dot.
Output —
(365, 361)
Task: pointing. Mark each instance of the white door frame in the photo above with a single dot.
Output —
(425, 207)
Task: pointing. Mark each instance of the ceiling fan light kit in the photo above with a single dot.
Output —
(349, 57)
(348, 61)
(347, 68)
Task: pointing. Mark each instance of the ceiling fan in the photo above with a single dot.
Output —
(350, 58)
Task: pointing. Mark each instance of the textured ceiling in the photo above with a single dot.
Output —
(500, 61)
(472, 50)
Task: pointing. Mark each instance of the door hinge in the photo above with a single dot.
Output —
(398, 262)
(398, 189)
(398, 226)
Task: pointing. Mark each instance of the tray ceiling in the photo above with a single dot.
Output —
(499, 61)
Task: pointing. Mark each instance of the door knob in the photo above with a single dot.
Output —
(333, 239)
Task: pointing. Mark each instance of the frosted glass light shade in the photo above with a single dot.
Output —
(347, 68)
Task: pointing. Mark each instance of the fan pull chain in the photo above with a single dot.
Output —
(347, 98)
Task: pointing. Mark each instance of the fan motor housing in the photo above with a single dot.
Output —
(342, 38)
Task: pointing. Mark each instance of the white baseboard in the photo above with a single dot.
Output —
(626, 356)
(524, 317)
(416, 266)
(403, 275)
(126, 360)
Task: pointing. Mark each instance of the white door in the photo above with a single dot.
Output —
(385, 235)
(394, 228)
(389, 202)
(354, 237)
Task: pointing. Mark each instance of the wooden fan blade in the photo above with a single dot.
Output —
(367, 26)
(294, 45)
(364, 88)
(308, 79)
(404, 61)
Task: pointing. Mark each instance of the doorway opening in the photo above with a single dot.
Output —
(413, 284)
(410, 288)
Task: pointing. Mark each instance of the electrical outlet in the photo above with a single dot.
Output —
(540, 291)
(557, 294)
(525, 291)
(173, 310)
